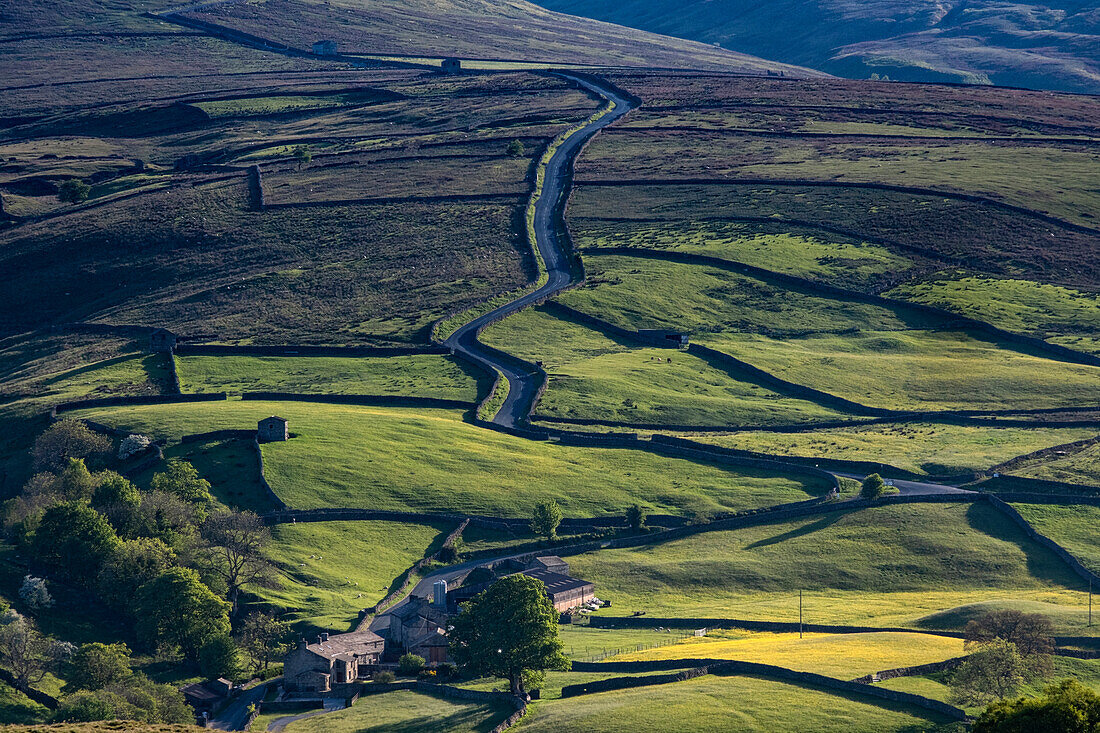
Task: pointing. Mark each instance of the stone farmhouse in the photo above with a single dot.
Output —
(331, 660)
(272, 429)
(419, 627)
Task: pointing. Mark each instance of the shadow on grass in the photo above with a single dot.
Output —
(818, 524)
(1042, 564)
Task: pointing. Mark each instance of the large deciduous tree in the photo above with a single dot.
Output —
(264, 638)
(95, 666)
(176, 609)
(510, 630)
(67, 439)
(74, 541)
(234, 550)
(1067, 707)
(546, 518)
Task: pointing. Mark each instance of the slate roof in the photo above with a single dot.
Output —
(345, 644)
(556, 583)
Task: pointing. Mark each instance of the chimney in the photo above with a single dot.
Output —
(324, 636)
(320, 640)
(439, 593)
(302, 643)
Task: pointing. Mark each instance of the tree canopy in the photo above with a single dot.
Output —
(1067, 707)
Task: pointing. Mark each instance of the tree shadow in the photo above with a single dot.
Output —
(824, 522)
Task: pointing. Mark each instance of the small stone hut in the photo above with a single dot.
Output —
(451, 66)
(324, 48)
(162, 341)
(272, 429)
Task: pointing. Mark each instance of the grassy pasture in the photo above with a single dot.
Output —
(919, 369)
(723, 704)
(593, 376)
(818, 256)
(422, 375)
(1073, 527)
(329, 571)
(845, 656)
(1015, 305)
(229, 465)
(1052, 178)
(430, 460)
(1080, 467)
(885, 566)
(918, 447)
(405, 711)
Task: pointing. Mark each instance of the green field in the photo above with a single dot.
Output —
(329, 571)
(845, 656)
(430, 460)
(1073, 527)
(593, 376)
(724, 704)
(826, 257)
(231, 468)
(918, 447)
(1078, 467)
(917, 370)
(419, 375)
(408, 712)
(1014, 305)
(881, 566)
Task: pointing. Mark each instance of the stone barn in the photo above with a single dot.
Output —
(665, 338)
(329, 661)
(272, 429)
(451, 66)
(324, 48)
(162, 340)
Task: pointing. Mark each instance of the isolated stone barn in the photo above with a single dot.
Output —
(324, 48)
(272, 429)
(451, 66)
(162, 340)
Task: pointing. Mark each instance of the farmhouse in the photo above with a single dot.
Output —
(324, 48)
(329, 661)
(451, 66)
(162, 340)
(272, 429)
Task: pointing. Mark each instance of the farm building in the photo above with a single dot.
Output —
(324, 48)
(564, 590)
(418, 627)
(329, 661)
(663, 337)
(207, 696)
(162, 340)
(272, 429)
(451, 66)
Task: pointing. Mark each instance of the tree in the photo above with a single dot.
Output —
(410, 663)
(134, 698)
(1032, 633)
(96, 666)
(993, 672)
(34, 593)
(220, 657)
(264, 638)
(75, 482)
(1067, 707)
(235, 542)
(133, 564)
(546, 518)
(168, 518)
(74, 541)
(872, 487)
(177, 610)
(303, 154)
(73, 191)
(181, 479)
(510, 630)
(516, 149)
(24, 652)
(113, 490)
(67, 439)
(635, 517)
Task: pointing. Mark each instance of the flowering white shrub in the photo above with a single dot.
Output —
(132, 445)
(34, 592)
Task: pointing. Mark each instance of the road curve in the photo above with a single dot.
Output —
(523, 381)
(912, 488)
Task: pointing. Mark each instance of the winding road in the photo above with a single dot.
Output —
(524, 382)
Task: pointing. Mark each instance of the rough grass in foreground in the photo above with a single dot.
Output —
(430, 460)
(845, 656)
(1081, 467)
(725, 704)
(885, 566)
(329, 571)
(408, 712)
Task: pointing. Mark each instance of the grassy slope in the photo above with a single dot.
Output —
(836, 655)
(408, 712)
(1073, 527)
(917, 447)
(429, 460)
(593, 376)
(329, 571)
(1081, 467)
(416, 375)
(882, 566)
(722, 704)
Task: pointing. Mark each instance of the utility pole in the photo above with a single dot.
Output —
(800, 611)
(1090, 601)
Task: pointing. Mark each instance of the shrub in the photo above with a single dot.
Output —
(873, 487)
(410, 664)
(219, 658)
(384, 677)
(635, 517)
(132, 445)
(34, 593)
(73, 191)
(516, 149)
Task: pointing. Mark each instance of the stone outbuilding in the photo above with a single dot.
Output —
(325, 48)
(331, 660)
(664, 337)
(417, 626)
(207, 696)
(451, 66)
(162, 341)
(272, 429)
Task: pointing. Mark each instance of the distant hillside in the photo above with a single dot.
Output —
(1049, 45)
(512, 29)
